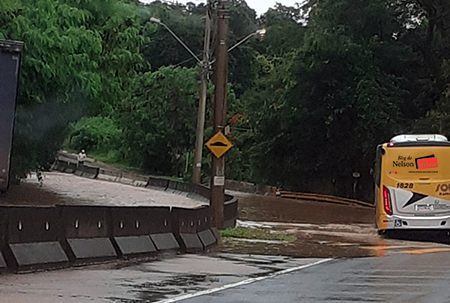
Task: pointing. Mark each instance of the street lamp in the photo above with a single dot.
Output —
(260, 32)
(158, 21)
(205, 64)
(197, 169)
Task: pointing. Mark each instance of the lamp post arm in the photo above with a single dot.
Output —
(181, 42)
(242, 41)
(258, 32)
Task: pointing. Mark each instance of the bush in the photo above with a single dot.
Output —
(95, 134)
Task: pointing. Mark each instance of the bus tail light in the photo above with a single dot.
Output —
(387, 201)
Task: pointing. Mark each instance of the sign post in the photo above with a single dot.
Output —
(220, 111)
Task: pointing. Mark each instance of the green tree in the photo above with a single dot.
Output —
(343, 96)
(159, 121)
(186, 21)
(432, 32)
(79, 57)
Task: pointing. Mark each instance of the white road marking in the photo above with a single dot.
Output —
(245, 282)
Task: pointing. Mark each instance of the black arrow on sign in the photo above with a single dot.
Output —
(219, 144)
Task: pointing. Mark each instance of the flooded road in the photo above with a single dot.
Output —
(322, 230)
(275, 209)
(69, 189)
(322, 264)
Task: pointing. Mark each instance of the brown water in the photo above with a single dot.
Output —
(321, 229)
(268, 208)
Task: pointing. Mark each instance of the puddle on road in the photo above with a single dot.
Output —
(174, 286)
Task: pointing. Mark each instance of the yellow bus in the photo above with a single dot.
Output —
(412, 183)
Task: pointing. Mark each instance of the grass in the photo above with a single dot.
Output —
(256, 234)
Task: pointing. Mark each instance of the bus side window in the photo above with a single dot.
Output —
(377, 176)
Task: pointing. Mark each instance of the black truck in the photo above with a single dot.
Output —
(10, 52)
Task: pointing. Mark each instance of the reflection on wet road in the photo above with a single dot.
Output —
(335, 241)
(394, 278)
(141, 282)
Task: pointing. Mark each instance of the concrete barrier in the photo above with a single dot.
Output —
(131, 228)
(143, 230)
(172, 187)
(2, 263)
(33, 238)
(124, 179)
(133, 179)
(165, 241)
(156, 183)
(190, 223)
(207, 238)
(183, 189)
(89, 172)
(108, 175)
(230, 211)
(87, 233)
(191, 243)
(71, 167)
(41, 237)
(60, 165)
(248, 187)
(102, 233)
(78, 171)
(3, 231)
(162, 229)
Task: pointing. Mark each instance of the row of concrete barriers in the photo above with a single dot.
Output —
(42, 237)
(60, 236)
(67, 163)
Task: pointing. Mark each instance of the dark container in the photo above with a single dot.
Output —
(10, 52)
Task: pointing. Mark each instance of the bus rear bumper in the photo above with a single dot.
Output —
(405, 222)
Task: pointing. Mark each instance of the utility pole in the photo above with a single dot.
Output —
(197, 170)
(220, 111)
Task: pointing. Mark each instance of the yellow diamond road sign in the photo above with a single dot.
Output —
(219, 144)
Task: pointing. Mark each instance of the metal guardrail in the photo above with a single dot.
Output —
(321, 198)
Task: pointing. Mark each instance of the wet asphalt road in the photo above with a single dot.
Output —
(410, 278)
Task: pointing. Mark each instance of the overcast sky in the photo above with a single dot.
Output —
(260, 6)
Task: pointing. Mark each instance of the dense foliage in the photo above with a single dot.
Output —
(308, 102)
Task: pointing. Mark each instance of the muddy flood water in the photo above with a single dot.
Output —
(320, 229)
